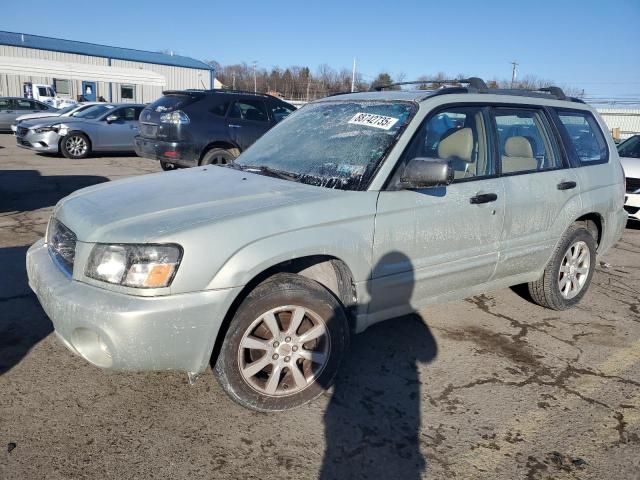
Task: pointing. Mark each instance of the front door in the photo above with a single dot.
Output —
(118, 134)
(540, 189)
(247, 121)
(434, 241)
(89, 91)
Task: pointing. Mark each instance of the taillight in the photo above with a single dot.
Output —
(176, 118)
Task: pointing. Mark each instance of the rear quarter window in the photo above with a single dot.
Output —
(584, 136)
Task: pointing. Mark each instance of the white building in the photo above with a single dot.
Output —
(93, 71)
(622, 122)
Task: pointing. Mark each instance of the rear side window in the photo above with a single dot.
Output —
(170, 103)
(523, 140)
(4, 103)
(585, 136)
(221, 109)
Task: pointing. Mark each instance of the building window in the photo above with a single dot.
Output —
(127, 92)
(62, 87)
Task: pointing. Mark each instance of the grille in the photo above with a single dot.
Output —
(633, 184)
(22, 131)
(62, 244)
(148, 130)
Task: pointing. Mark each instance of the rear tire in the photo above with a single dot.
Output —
(284, 344)
(75, 146)
(567, 276)
(218, 156)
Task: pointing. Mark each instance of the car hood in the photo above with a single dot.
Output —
(155, 207)
(631, 166)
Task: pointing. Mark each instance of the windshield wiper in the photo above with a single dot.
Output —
(271, 172)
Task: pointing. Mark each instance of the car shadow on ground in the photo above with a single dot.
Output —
(372, 422)
(23, 323)
(28, 190)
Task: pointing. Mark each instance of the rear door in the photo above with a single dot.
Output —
(247, 121)
(541, 189)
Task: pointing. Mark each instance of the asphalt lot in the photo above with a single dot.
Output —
(488, 387)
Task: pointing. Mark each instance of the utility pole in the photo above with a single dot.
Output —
(255, 81)
(514, 72)
(308, 85)
(353, 76)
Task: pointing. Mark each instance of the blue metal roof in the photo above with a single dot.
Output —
(83, 48)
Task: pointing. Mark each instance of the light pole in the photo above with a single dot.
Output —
(255, 81)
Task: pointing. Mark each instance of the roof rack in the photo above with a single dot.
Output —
(474, 82)
(215, 90)
(478, 85)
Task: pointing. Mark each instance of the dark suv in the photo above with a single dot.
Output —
(186, 128)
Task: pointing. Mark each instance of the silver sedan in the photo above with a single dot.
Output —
(105, 127)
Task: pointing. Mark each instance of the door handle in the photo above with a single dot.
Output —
(233, 125)
(483, 198)
(566, 185)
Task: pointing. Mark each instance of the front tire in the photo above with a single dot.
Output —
(284, 345)
(75, 146)
(568, 275)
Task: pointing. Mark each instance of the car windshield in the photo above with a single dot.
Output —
(330, 144)
(630, 147)
(67, 109)
(94, 111)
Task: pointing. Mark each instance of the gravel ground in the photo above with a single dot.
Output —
(487, 387)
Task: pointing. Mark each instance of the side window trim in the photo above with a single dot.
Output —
(548, 129)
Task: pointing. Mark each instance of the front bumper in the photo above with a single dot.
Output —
(124, 332)
(170, 152)
(632, 205)
(40, 142)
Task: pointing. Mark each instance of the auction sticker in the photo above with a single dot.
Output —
(373, 120)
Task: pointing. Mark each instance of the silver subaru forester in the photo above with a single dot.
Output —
(355, 209)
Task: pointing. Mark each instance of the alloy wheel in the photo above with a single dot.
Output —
(574, 269)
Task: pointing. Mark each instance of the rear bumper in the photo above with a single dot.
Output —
(170, 152)
(124, 332)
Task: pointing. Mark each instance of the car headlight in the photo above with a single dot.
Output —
(50, 128)
(139, 266)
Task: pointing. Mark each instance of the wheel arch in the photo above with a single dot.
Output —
(71, 132)
(594, 223)
(329, 271)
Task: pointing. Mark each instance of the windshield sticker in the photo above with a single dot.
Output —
(373, 120)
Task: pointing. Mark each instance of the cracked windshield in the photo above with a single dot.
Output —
(333, 145)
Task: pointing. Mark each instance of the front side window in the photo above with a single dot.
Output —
(585, 136)
(44, 92)
(524, 142)
(458, 135)
(253, 110)
(281, 111)
(220, 109)
(127, 92)
(128, 113)
(330, 144)
(630, 147)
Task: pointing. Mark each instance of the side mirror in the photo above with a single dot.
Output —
(422, 172)
(111, 118)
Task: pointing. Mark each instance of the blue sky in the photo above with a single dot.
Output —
(587, 44)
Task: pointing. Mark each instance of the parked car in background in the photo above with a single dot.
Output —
(46, 94)
(356, 209)
(186, 128)
(13, 107)
(69, 111)
(629, 152)
(104, 127)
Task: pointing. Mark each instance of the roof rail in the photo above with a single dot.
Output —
(215, 90)
(555, 91)
(474, 82)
